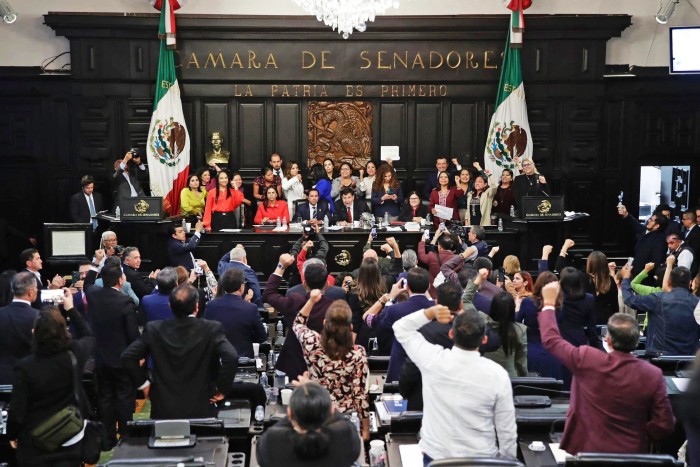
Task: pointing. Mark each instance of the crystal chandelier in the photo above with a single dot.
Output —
(346, 15)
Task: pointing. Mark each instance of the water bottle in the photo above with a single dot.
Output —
(259, 414)
(325, 223)
(355, 421)
(263, 380)
(279, 223)
(271, 360)
(280, 328)
(117, 213)
(512, 211)
(284, 222)
(377, 454)
(386, 219)
(428, 219)
(184, 224)
(500, 224)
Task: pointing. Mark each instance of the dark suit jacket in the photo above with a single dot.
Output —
(291, 359)
(599, 420)
(16, 324)
(113, 320)
(79, 209)
(484, 297)
(192, 361)
(241, 321)
(304, 211)
(693, 241)
(179, 252)
(140, 285)
(39, 285)
(406, 213)
(121, 187)
(333, 292)
(341, 211)
(431, 180)
(386, 320)
(251, 279)
(157, 306)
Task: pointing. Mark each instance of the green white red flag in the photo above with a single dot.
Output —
(168, 145)
(509, 132)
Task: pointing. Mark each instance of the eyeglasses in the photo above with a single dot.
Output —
(414, 199)
(527, 165)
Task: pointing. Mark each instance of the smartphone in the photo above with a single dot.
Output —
(374, 233)
(402, 283)
(502, 275)
(442, 226)
(52, 296)
(75, 277)
(630, 260)
(426, 235)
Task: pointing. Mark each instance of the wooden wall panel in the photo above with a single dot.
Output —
(288, 129)
(428, 135)
(463, 131)
(252, 131)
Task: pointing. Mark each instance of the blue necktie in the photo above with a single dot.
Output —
(92, 212)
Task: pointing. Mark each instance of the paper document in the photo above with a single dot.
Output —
(411, 455)
(389, 152)
(559, 454)
(443, 212)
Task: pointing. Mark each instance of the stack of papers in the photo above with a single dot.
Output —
(412, 227)
(394, 229)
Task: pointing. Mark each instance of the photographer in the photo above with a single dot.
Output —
(126, 176)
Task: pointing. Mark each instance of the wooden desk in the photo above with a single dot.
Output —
(393, 442)
(214, 450)
(254, 455)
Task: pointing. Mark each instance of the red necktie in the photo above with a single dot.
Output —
(414, 211)
(349, 214)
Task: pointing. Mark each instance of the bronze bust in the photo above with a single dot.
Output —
(217, 154)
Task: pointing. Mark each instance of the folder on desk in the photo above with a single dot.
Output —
(390, 409)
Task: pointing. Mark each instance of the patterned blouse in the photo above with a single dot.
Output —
(345, 379)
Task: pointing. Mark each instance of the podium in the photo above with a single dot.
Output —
(542, 208)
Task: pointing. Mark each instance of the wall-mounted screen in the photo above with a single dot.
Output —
(684, 50)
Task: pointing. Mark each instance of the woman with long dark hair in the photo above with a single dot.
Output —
(512, 352)
(369, 287)
(222, 201)
(386, 192)
(345, 180)
(313, 434)
(447, 195)
(322, 184)
(505, 197)
(413, 210)
(271, 209)
(479, 202)
(205, 179)
(266, 178)
(367, 177)
(334, 360)
(601, 284)
(44, 385)
(539, 360)
(329, 169)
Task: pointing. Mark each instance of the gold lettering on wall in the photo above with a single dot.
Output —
(251, 60)
(193, 61)
(470, 60)
(364, 57)
(237, 61)
(271, 61)
(433, 54)
(214, 60)
(324, 57)
(486, 59)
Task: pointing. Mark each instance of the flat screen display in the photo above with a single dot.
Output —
(685, 57)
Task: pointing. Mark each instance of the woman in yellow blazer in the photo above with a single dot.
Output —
(193, 198)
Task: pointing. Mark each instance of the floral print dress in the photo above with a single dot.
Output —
(344, 379)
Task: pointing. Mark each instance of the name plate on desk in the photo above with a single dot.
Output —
(543, 208)
(141, 209)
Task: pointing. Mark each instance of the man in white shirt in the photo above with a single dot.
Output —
(677, 247)
(277, 166)
(468, 400)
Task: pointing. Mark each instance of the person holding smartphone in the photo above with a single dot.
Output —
(126, 176)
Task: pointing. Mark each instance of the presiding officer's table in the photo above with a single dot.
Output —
(264, 247)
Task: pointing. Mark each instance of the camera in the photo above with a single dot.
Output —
(119, 249)
(309, 231)
(348, 283)
(134, 152)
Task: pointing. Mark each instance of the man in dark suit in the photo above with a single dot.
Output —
(487, 290)
(33, 264)
(193, 362)
(132, 262)
(157, 306)
(85, 204)
(348, 209)
(417, 283)
(599, 420)
(237, 258)
(17, 321)
(312, 210)
(291, 358)
(441, 165)
(239, 317)
(113, 320)
(180, 251)
(691, 237)
(126, 179)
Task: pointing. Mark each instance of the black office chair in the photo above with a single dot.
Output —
(475, 461)
(597, 459)
(378, 362)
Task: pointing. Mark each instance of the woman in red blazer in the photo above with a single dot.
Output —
(271, 208)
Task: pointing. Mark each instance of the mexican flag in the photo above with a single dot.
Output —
(509, 133)
(168, 145)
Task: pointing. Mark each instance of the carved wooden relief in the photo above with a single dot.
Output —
(341, 131)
